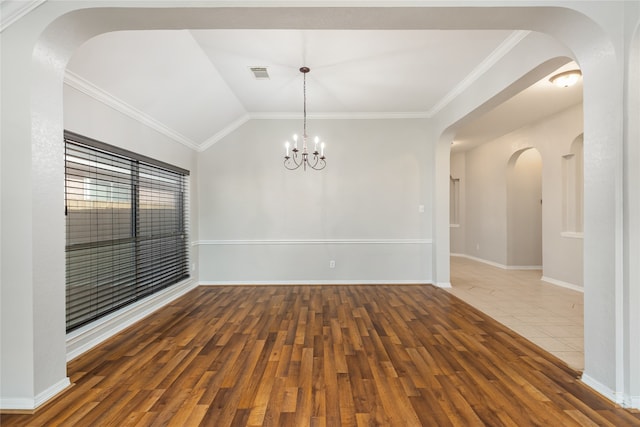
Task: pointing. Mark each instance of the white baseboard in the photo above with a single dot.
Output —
(444, 285)
(87, 337)
(622, 399)
(562, 284)
(524, 267)
(52, 391)
(17, 404)
(604, 390)
(27, 405)
(314, 282)
(484, 261)
(495, 264)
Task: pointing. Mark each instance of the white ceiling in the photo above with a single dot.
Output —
(540, 100)
(196, 84)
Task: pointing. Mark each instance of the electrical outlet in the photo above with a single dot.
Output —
(332, 264)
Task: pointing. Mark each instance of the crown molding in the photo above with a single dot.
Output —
(110, 100)
(342, 116)
(498, 53)
(11, 11)
(79, 83)
(224, 132)
(294, 116)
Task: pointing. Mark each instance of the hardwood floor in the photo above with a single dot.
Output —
(322, 356)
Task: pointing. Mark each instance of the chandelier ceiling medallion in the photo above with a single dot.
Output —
(316, 159)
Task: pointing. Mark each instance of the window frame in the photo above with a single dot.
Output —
(112, 261)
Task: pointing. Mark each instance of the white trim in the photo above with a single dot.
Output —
(444, 285)
(294, 116)
(79, 83)
(224, 132)
(562, 284)
(17, 404)
(343, 115)
(315, 242)
(633, 402)
(454, 225)
(616, 397)
(505, 47)
(87, 337)
(523, 267)
(52, 391)
(498, 265)
(572, 234)
(15, 10)
(484, 261)
(26, 404)
(314, 282)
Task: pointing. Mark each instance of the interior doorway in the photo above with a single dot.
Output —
(524, 209)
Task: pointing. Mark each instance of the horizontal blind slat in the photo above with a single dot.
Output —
(126, 228)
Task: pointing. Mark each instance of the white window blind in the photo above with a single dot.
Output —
(126, 228)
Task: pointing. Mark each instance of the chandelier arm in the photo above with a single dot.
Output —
(317, 167)
(289, 162)
(318, 164)
(294, 162)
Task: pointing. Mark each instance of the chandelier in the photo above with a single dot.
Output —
(315, 160)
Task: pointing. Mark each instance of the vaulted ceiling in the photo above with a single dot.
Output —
(197, 86)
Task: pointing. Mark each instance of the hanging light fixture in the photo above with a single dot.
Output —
(302, 157)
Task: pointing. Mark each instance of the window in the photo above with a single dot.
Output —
(126, 228)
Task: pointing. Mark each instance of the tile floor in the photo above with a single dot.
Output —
(546, 314)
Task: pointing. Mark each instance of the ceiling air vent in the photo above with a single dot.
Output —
(260, 73)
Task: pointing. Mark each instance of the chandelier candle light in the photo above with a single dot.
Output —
(317, 160)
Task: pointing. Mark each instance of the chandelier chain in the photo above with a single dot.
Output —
(304, 107)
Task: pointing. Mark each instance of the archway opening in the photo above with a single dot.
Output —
(524, 209)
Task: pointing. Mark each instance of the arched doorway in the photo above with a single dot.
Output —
(524, 209)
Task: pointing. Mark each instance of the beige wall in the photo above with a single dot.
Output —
(524, 209)
(458, 231)
(484, 230)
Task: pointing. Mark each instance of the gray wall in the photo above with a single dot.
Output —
(262, 223)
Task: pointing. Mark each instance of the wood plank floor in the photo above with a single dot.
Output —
(322, 356)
